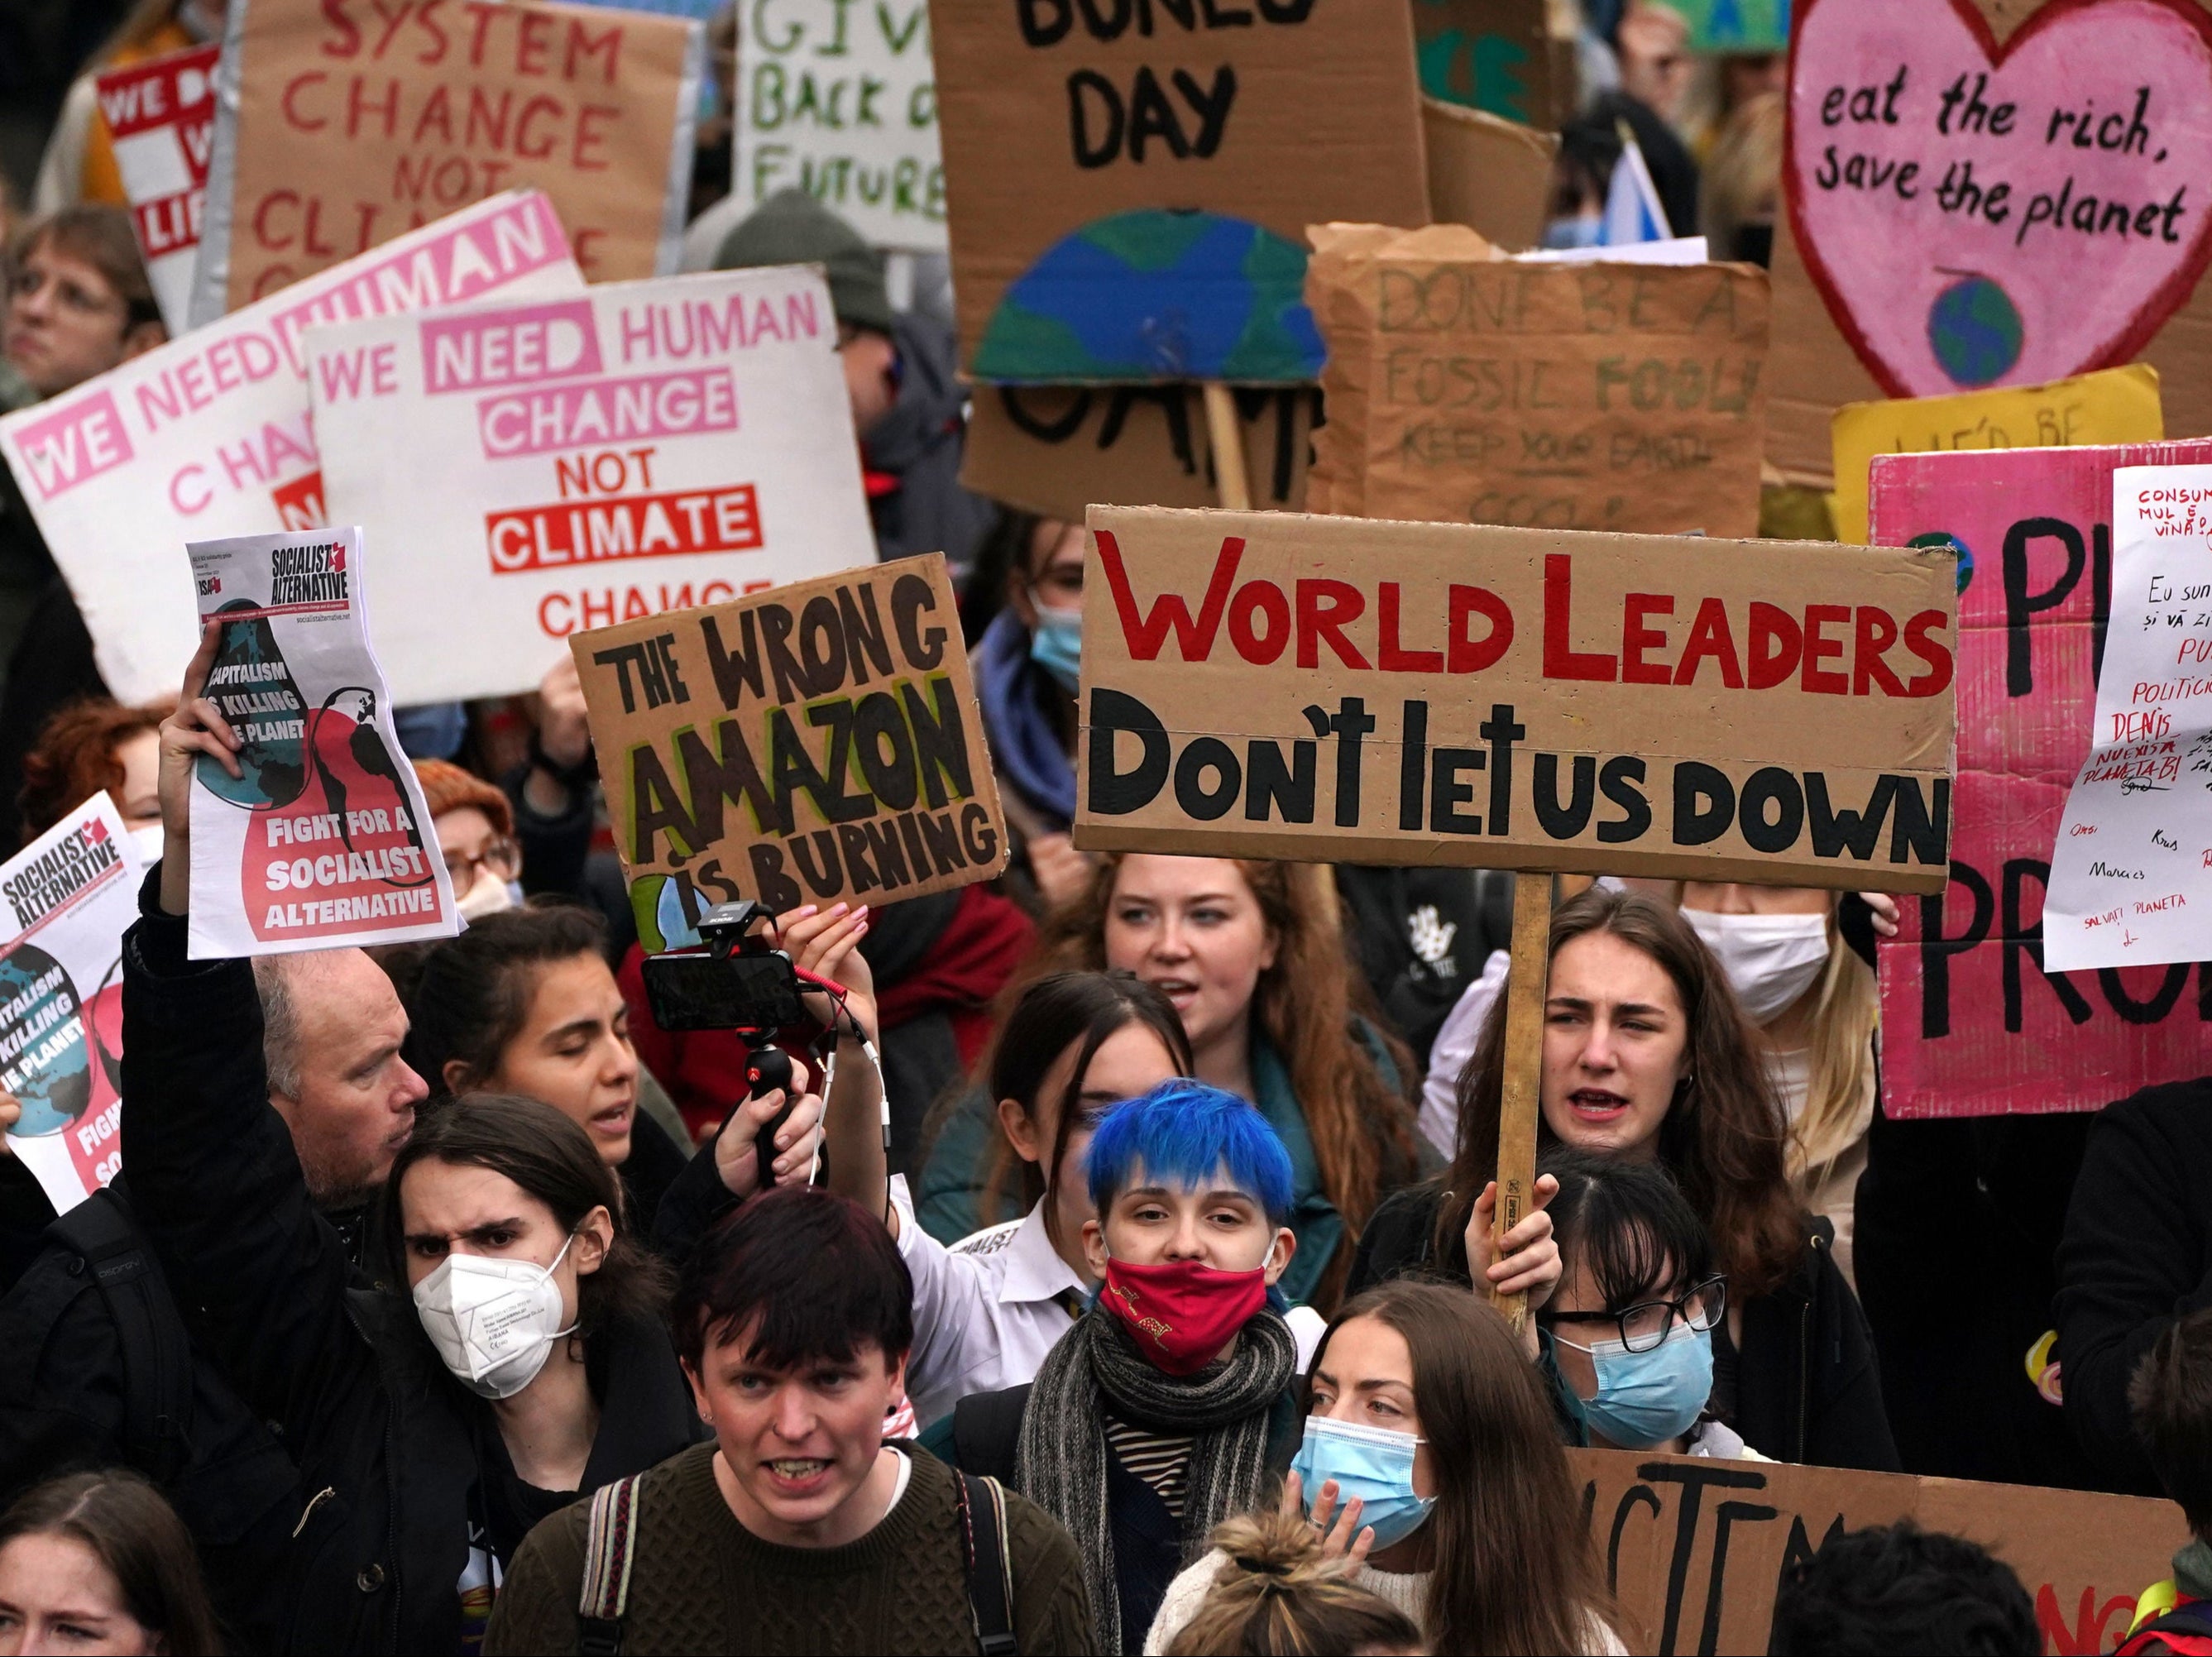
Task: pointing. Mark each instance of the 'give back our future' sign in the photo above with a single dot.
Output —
(1257, 684)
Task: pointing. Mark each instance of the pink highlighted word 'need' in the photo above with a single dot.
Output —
(510, 347)
(76, 442)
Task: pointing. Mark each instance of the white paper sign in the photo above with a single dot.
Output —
(2131, 874)
(322, 841)
(842, 100)
(160, 117)
(528, 471)
(65, 902)
(209, 435)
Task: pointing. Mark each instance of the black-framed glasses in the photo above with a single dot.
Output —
(1645, 1325)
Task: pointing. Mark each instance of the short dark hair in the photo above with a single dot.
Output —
(1628, 1223)
(553, 1160)
(101, 236)
(1897, 1587)
(2170, 1394)
(130, 1526)
(471, 993)
(819, 1271)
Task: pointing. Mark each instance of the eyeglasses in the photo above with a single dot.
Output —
(503, 857)
(1645, 1325)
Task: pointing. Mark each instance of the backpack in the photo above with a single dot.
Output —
(2178, 1627)
(610, 1548)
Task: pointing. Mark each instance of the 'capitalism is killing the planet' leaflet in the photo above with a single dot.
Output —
(321, 840)
(65, 902)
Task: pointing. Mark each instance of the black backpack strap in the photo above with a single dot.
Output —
(157, 1358)
(989, 1563)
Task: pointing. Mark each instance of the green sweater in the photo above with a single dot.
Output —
(704, 1583)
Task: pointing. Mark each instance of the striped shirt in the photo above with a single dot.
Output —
(1161, 1460)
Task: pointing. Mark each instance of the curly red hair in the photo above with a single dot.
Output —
(75, 757)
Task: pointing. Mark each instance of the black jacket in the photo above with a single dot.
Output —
(1421, 936)
(2136, 1255)
(1806, 1387)
(386, 1442)
(915, 449)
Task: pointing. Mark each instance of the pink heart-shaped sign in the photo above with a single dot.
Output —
(1980, 217)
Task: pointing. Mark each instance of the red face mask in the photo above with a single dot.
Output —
(1182, 1313)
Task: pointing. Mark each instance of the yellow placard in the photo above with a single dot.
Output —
(2113, 405)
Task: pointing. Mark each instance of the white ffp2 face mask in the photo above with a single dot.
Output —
(493, 1322)
(1770, 960)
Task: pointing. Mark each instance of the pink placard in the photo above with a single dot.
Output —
(1971, 1025)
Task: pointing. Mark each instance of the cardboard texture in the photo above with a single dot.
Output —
(211, 434)
(1489, 55)
(2113, 405)
(341, 126)
(161, 122)
(65, 902)
(547, 466)
(1260, 685)
(1489, 173)
(1055, 449)
(323, 839)
(841, 102)
(817, 742)
(1971, 1026)
(1917, 249)
(1127, 203)
(1695, 1547)
(1463, 387)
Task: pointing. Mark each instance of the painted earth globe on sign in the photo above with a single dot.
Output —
(1975, 330)
(1156, 295)
(42, 1038)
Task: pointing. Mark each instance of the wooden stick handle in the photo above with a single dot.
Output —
(1225, 437)
(1519, 1107)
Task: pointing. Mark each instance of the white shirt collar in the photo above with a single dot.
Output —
(1035, 1271)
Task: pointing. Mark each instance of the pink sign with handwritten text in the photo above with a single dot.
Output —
(1972, 1025)
(2131, 874)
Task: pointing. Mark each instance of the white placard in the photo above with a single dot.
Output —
(842, 101)
(160, 117)
(65, 902)
(2131, 874)
(209, 435)
(322, 841)
(527, 471)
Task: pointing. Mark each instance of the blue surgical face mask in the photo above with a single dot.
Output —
(1645, 1399)
(1573, 230)
(1373, 1465)
(1057, 644)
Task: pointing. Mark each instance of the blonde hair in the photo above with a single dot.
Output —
(1743, 172)
(1840, 1082)
(1278, 1593)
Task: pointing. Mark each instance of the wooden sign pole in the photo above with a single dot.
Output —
(1518, 1109)
(1226, 438)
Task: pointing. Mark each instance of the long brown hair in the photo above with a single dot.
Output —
(1513, 1568)
(1723, 1139)
(1278, 1595)
(1362, 1127)
(131, 1529)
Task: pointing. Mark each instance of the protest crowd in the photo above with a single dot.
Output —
(899, 886)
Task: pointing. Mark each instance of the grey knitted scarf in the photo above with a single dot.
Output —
(1061, 1462)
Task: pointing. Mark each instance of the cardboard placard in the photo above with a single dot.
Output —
(65, 902)
(1054, 450)
(323, 841)
(1972, 1026)
(2128, 883)
(816, 742)
(1492, 175)
(210, 435)
(573, 463)
(342, 125)
(1892, 270)
(1695, 1548)
(1736, 26)
(1258, 684)
(2113, 405)
(842, 102)
(161, 122)
(1489, 55)
(1464, 387)
(1127, 203)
